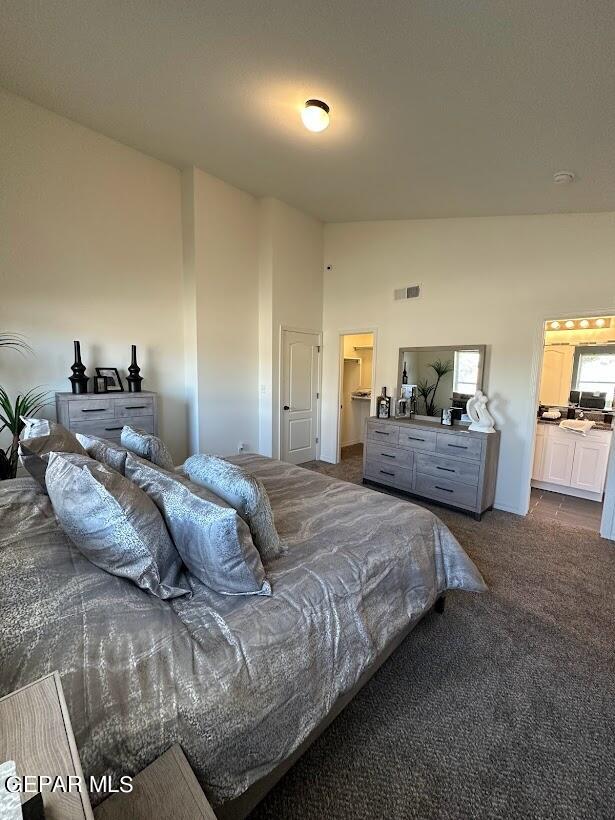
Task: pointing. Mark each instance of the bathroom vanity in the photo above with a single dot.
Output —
(570, 463)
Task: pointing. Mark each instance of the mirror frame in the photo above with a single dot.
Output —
(481, 362)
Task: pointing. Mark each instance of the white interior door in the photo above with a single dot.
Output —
(299, 395)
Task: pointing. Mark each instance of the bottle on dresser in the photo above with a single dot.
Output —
(383, 405)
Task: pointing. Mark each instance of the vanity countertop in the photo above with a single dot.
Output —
(599, 425)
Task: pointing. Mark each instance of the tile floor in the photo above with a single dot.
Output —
(566, 509)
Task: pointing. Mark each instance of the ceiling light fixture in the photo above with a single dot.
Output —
(563, 177)
(315, 115)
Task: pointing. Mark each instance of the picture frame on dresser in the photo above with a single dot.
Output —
(114, 380)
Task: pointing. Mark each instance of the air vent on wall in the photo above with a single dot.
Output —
(411, 292)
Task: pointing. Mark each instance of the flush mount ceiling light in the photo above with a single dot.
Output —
(315, 115)
(563, 177)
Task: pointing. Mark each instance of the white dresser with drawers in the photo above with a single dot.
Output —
(104, 414)
(450, 465)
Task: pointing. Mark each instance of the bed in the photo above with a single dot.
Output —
(245, 683)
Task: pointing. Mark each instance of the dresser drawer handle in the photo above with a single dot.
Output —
(381, 432)
(457, 446)
(108, 429)
(387, 455)
(135, 406)
(93, 410)
(444, 489)
(386, 472)
(445, 469)
(414, 438)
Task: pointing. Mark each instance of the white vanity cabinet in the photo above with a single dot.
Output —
(570, 463)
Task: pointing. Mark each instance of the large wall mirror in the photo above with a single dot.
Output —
(444, 376)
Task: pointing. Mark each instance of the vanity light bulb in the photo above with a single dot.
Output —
(600, 322)
(554, 325)
(584, 323)
(569, 324)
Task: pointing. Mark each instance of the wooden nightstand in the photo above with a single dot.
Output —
(35, 732)
(166, 788)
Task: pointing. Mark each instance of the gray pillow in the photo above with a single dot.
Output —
(242, 491)
(105, 451)
(212, 539)
(147, 446)
(33, 428)
(114, 524)
(34, 452)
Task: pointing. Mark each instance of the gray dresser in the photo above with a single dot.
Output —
(104, 414)
(450, 465)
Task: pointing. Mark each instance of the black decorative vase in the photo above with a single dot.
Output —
(133, 378)
(79, 381)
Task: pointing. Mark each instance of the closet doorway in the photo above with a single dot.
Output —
(356, 394)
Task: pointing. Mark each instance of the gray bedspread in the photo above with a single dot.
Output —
(239, 682)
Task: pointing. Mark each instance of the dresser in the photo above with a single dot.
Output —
(449, 465)
(104, 414)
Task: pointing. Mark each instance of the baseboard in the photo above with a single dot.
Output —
(508, 508)
(558, 488)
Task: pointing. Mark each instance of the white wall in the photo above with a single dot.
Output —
(90, 249)
(484, 281)
(221, 307)
(290, 295)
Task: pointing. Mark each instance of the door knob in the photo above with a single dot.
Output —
(286, 407)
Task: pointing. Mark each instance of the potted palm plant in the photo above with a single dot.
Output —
(12, 410)
(428, 391)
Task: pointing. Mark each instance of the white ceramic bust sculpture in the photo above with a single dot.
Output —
(476, 408)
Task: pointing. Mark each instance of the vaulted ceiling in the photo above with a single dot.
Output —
(438, 107)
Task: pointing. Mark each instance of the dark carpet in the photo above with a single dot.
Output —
(503, 707)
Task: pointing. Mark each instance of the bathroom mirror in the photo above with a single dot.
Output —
(445, 376)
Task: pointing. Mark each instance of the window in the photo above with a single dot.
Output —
(596, 373)
(465, 376)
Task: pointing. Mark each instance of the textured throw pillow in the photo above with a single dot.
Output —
(242, 491)
(212, 539)
(34, 452)
(114, 524)
(33, 428)
(147, 446)
(105, 451)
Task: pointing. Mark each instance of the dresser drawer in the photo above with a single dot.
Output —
(110, 428)
(390, 474)
(450, 468)
(91, 409)
(133, 408)
(417, 439)
(378, 431)
(451, 492)
(389, 455)
(459, 444)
